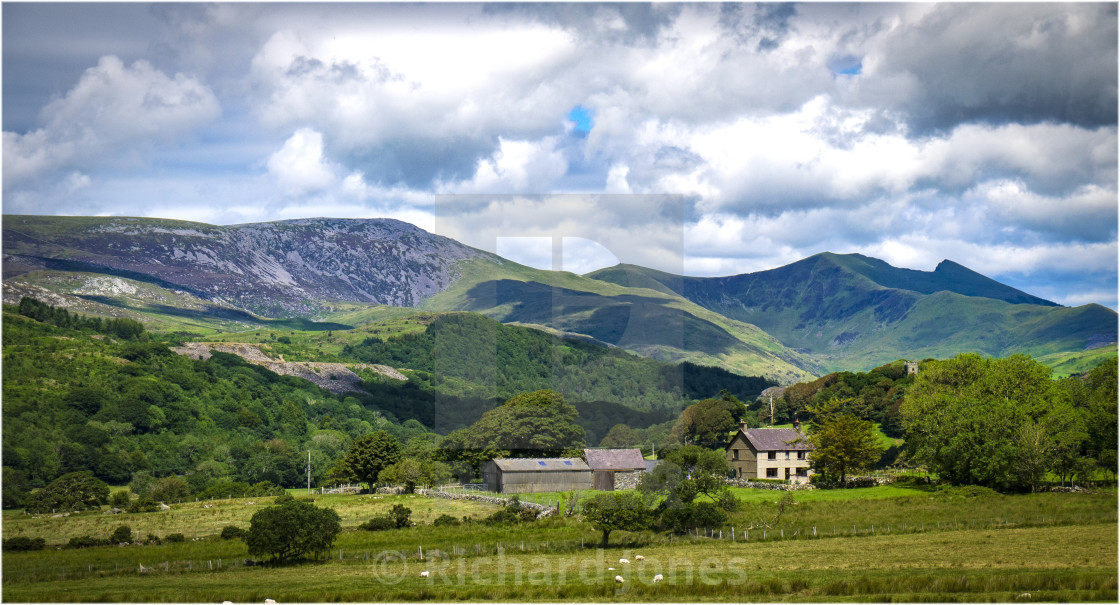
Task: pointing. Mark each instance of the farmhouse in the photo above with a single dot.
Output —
(769, 454)
(615, 469)
(527, 475)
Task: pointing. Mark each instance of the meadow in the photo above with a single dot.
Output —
(885, 543)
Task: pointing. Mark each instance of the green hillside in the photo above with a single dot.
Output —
(649, 322)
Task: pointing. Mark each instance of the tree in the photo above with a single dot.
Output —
(537, 424)
(371, 454)
(843, 445)
(1000, 423)
(686, 473)
(616, 511)
(291, 528)
(415, 471)
(620, 436)
(708, 423)
(72, 491)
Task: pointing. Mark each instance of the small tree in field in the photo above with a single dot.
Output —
(291, 529)
(618, 510)
(371, 454)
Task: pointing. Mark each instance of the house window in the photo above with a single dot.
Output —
(735, 453)
(801, 472)
(787, 455)
(800, 455)
(771, 473)
(771, 455)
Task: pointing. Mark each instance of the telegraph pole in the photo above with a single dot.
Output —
(309, 472)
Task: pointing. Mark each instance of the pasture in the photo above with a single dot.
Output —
(887, 543)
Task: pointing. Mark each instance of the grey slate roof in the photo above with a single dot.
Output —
(768, 440)
(541, 464)
(615, 460)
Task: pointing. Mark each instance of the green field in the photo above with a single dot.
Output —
(886, 543)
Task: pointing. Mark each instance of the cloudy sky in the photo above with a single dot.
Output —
(982, 133)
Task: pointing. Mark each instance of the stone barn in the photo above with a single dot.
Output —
(615, 469)
(529, 475)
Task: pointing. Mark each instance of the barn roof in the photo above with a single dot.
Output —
(615, 460)
(768, 440)
(541, 464)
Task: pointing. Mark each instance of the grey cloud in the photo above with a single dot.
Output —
(999, 63)
(643, 22)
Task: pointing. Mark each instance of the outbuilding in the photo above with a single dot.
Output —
(615, 469)
(529, 475)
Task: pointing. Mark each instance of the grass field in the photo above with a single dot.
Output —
(884, 543)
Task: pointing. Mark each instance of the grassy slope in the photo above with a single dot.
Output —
(753, 353)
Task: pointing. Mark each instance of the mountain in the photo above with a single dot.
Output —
(279, 269)
(851, 311)
(194, 278)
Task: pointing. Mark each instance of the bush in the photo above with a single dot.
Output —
(176, 538)
(120, 499)
(445, 521)
(693, 516)
(121, 534)
(232, 532)
(143, 505)
(401, 516)
(290, 529)
(24, 543)
(169, 489)
(379, 523)
(84, 542)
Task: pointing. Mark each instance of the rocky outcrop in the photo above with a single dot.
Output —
(334, 377)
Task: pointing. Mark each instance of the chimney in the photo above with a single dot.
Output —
(797, 425)
(743, 425)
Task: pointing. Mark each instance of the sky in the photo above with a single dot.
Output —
(709, 139)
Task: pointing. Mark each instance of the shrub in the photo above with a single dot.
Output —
(176, 538)
(401, 515)
(120, 499)
(24, 543)
(143, 505)
(121, 534)
(83, 542)
(232, 532)
(169, 489)
(379, 523)
(290, 529)
(445, 521)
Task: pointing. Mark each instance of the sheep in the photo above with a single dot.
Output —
(658, 578)
(639, 558)
(619, 579)
(424, 574)
(610, 569)
(227, 602)
(269, 602)
(624, 560)
(1023, 595)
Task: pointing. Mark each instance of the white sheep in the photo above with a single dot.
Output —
(1023, 595)
(624, 560)
(227, 602)
(658, 578)
(424, 574)
(610, 569)
(639, 558)
(269, 602)
(619, 579)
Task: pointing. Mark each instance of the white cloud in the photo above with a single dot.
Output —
(299, 166)
(113, 111)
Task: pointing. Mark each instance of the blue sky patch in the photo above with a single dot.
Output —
(581, 116)
(846, 66)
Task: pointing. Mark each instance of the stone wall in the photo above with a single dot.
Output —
(774, 486)
(627, 479)
(543, 510)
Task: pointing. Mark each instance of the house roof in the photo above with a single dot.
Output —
(614, 460)
(541, 464)
(768, 440)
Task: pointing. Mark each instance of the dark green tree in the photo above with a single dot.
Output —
(291, 529)
(616, 511)
(709, 423)
(686, 473)
(72, 491)
(371, 454)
